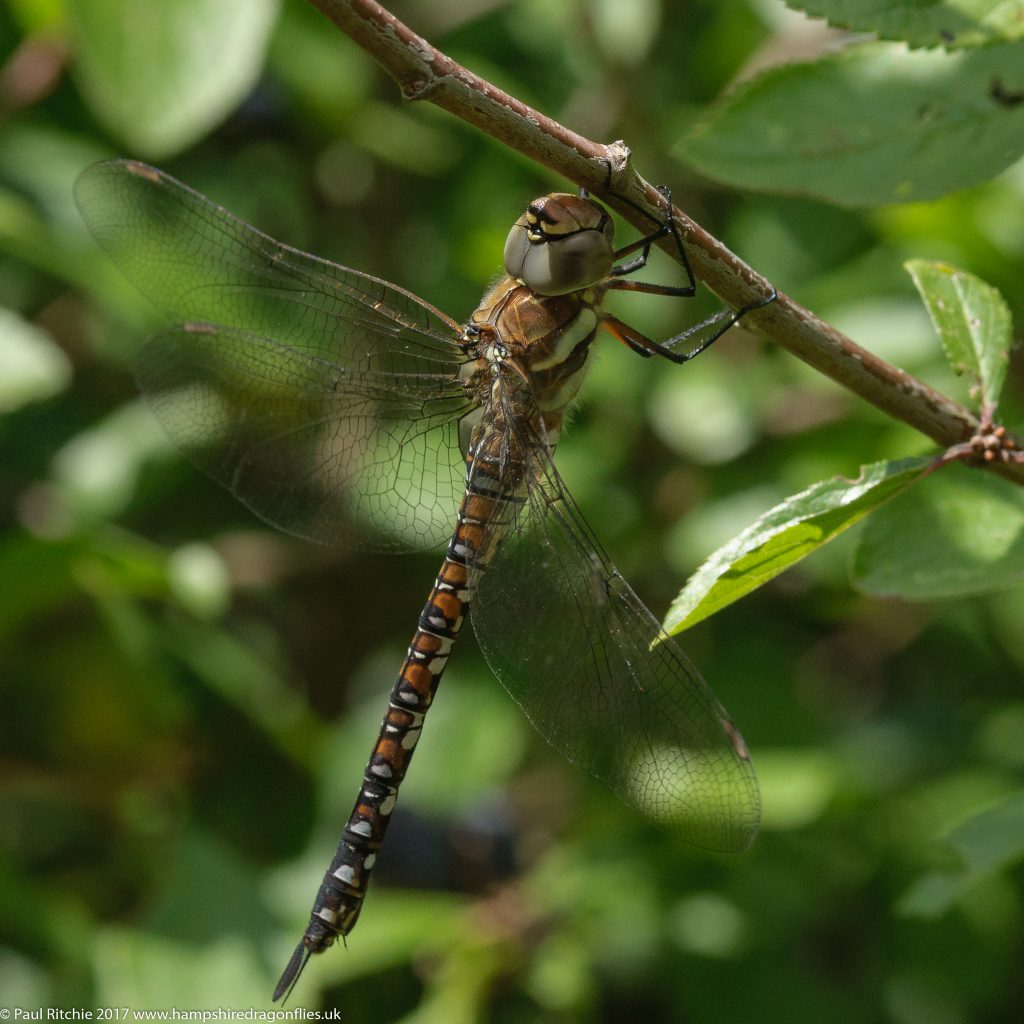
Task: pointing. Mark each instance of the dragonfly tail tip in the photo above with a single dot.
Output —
(290, 975)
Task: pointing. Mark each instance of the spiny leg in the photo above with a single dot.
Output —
(668, 227)
(639, 342)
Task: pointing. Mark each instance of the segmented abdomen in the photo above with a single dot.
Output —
(340, 897)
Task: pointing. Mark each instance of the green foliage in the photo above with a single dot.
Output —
(34, 367)
(161, 80)
(784, 535)
(187, 698)
(866, 125)
(949, 23)
(959, 533)
(985, 843)
(972, 321)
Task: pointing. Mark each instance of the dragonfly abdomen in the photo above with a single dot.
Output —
(343, 889)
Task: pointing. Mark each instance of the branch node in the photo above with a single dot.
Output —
(618, 156)
(417, 88)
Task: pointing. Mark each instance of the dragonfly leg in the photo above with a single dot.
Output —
(730, 318)
(647, 347)
(642, 247)
(640, 343)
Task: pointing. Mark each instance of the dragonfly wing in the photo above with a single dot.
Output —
(196, 261)
(348, 345)
(307, 445)
(596, 675)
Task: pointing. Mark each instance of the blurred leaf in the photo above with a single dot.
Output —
(796, 786)
(42, 161)
(870, 124)
(253, 684)
(960, 533)
(937, 23)
(709, 926)
(37, 15)
(41, 574)
(199, 580)
(982, 845)
(784, 535)
(419, 145)
(38, 573)
(972, 321)
(625, 32)
(161, 75)
(32, 365)
(198, 942)
(208, 892)
(27, 236)
(97, 470)
(31, 911)
(135, 967)
(333, 76)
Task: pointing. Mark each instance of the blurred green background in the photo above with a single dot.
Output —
(187, 699)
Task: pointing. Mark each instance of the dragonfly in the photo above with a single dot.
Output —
(347, 410)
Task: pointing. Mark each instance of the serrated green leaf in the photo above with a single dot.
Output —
(961, 533)
(972, 320)
(980, 846)
(159, 76)
(782, 536)
(871, 124)
(949, 23)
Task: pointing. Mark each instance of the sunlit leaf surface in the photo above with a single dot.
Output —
(972, 320)
(784, 535)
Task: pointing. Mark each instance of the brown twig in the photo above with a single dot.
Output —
(424, 73)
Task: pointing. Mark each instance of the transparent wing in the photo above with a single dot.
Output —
(308, 446)
(327, 392)
(595, 674)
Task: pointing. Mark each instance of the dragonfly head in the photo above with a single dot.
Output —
(562, 243)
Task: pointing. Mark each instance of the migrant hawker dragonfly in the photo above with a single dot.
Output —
(319, 395)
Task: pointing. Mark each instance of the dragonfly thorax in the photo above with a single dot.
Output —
(561, 244)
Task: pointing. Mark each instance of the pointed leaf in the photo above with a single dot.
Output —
(160, 75)
(972, 321)
(961, 533)
(782, 536)
(870, 124)
(949, 23)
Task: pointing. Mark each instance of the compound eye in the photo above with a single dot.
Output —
(568, 264)
(560, 244)
(517, 245)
